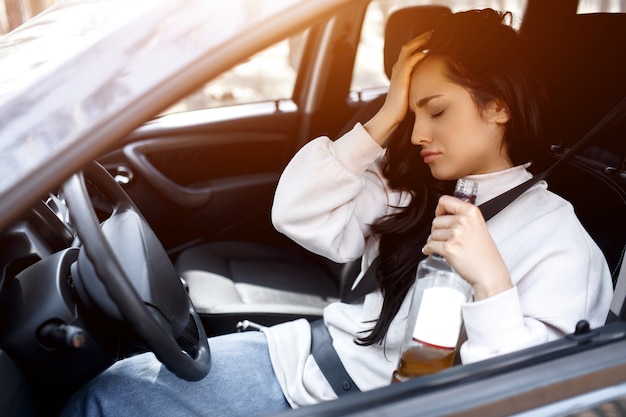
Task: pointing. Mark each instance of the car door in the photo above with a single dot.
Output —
(207, 168)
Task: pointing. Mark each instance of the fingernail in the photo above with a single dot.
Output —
(425, 51)
(423, 250)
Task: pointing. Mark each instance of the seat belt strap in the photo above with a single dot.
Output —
(493, 206)
(617, 311)
(328, 360)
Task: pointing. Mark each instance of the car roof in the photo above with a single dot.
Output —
(83, 74)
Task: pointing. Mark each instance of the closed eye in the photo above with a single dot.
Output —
(437, 114)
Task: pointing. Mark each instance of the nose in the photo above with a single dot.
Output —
(420, 135)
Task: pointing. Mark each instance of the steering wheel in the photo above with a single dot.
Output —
(124, 270)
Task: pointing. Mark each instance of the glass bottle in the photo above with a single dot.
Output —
(435, 321)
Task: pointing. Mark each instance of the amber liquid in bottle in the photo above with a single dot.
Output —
(435, 313)
(423, 360)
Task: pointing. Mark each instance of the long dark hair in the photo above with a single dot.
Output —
(486, 56)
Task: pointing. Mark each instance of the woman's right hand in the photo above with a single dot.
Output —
(393, 111)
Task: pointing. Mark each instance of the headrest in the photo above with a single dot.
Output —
(404, 25)
(583, 66)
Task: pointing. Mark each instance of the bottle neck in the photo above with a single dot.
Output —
(466, 190)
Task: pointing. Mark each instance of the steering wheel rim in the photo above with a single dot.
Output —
(191, 362)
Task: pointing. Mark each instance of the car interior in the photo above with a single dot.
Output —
(234, 281)
(205, 187)
(262, 283)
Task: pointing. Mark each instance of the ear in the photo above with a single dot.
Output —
(497, 112)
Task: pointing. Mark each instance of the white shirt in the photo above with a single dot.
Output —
(329, 195)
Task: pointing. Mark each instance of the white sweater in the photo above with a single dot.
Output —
(331, 192)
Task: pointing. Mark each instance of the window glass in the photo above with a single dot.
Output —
(601, 6)
(267, 76)
(369, 71)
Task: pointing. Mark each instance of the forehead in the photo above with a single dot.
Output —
(429, 81)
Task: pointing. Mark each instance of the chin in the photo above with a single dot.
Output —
(443, 176)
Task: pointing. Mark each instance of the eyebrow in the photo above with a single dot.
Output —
(422, 102)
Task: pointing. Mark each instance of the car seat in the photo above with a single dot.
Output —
(581, 59)
(583, 66)
(231, 281)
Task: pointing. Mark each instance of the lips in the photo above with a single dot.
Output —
(429, 156)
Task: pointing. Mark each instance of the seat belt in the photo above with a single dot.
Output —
(493, 206)
(369, 282)
(617, 311)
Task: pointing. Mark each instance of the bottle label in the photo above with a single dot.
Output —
(439, 318)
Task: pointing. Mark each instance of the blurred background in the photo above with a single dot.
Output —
(15, 12)
(271, 74)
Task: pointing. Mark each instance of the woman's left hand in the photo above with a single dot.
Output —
(459, 234)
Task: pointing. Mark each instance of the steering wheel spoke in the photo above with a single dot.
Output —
(124, 270)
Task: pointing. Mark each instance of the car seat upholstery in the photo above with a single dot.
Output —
(232, 281)
(582, 63)
(583, 67)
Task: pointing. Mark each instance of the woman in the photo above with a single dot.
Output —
(462, 104)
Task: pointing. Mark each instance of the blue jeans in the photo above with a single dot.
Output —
(241, 382)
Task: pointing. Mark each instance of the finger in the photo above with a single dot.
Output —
(419, 41)
(447, 205)
(414, 45)
(439, 235)
(442, 222)
(433, 247)
(415, 58)
(451, 205)
(405, 64)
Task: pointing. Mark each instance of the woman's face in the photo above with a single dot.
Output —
(457, 138)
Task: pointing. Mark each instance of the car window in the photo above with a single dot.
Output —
(604, 6)
(266, 76)
(369, 72)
